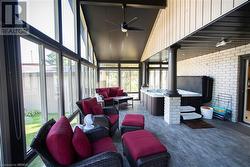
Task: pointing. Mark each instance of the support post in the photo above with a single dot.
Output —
(172, 100)
(172, 71)
(144, 74)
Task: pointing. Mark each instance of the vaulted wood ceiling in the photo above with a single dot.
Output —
(113, 45)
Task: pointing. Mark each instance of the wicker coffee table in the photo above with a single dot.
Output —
(123, 99)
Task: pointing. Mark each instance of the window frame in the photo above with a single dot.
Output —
(117, 66)
(160, 66)
(13, 60)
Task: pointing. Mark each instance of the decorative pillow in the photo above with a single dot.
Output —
(88, 104)
(120, 92)
(104, 94)
(113, 92)
(81, 144)
(59, 142)
(97, 109)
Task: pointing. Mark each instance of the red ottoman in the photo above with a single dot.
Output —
(132, 122)
(142, 148)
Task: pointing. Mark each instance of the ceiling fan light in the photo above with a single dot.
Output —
(124, 30)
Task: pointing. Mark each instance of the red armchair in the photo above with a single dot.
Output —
(107, 117)
(108, 94)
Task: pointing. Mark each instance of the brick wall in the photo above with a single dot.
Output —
(223, 67)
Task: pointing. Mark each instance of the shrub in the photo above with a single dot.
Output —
(32, 113)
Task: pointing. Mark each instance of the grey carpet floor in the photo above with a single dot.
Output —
(222, 146)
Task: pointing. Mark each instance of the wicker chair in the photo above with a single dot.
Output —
(110, 159)
(103, 120)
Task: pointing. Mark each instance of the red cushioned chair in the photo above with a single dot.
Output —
(108, 94)
(107, 117)
(104, 151)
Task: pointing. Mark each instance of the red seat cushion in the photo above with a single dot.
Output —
(142, 143)
(59, 142)
(81, 144)
(113, 118)
(99, 90)
(113, 91)
(120, 92)
(104, 94)
(88, 104)
(103, 145)
(133, 120)
(97, 109)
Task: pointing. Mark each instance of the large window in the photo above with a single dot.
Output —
(130, 80)
(69, 24)
(84, 81)
(158, 74)
(43, 15)
(70, 80)
(83, 36)
(31, 77)
(52, 84)
(90, 49)
(154, 78)
(108, 78)
(41, 91)
(164, 79)
(91, 82)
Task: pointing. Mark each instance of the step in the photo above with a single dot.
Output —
(191, 116)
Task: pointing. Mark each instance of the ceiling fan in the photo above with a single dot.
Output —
(124, 26)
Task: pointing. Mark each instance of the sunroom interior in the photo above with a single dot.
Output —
(141, 83)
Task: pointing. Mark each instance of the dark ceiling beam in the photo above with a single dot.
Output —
(156, 4)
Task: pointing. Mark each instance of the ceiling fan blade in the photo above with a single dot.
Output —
(114, 24)
(132, 21)
(113, 30)
(134, 29)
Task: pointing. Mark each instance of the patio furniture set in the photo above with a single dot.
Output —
(58, 145)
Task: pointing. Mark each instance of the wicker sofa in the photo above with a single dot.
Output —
(106, 158)
(110, 92)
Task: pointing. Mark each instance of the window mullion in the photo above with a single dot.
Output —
(44, 107)
(71, 87)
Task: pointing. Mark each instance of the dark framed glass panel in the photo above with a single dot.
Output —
(43, 15)
(52, 84)
(70, 80)
(109, 78)
(31, 81)
(154, 78)
(69, 24)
